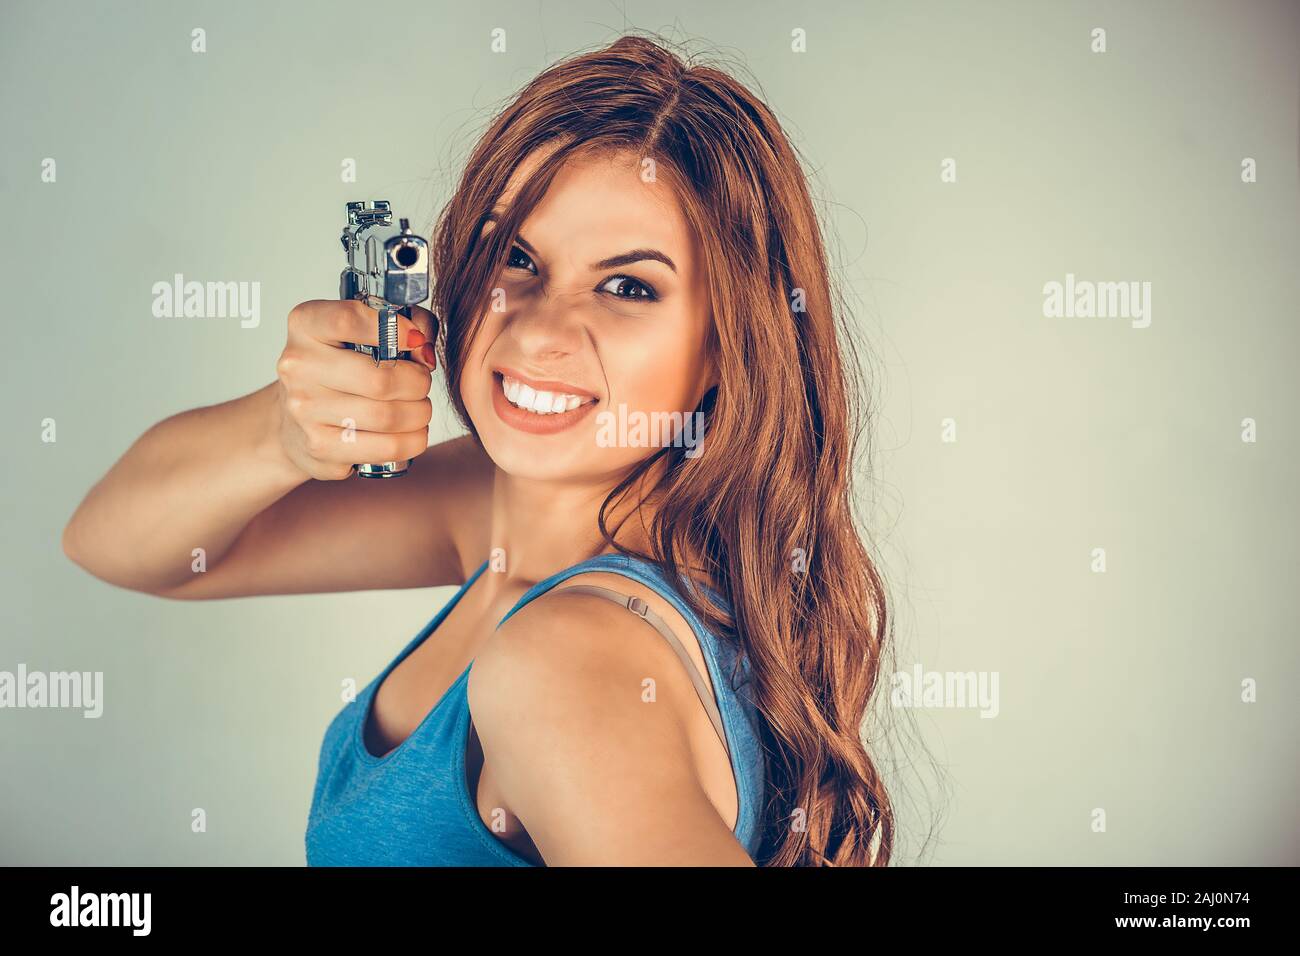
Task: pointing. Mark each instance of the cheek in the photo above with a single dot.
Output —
(655, 369)
(474, 375)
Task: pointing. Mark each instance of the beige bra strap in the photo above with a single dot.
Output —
(642, 610)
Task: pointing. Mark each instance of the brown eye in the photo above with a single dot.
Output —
(622, 283)
(514, 260)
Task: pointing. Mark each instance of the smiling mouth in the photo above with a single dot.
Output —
(541, 403)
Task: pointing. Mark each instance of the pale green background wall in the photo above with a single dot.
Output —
(1118, 690)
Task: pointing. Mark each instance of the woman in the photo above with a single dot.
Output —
(632, 240)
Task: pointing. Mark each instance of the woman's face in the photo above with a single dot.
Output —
(601, 311)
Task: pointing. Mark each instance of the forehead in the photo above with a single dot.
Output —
(596, 200)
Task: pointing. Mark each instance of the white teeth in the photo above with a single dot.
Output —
(540, 403)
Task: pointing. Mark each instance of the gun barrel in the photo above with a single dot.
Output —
(387, 268)
(392, 267)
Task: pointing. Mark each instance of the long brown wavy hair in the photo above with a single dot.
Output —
(767, 505)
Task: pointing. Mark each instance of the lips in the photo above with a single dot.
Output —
(533, 422)
(544, 385)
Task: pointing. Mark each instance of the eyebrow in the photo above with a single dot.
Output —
(622, 259)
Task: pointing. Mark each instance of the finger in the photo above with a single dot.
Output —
(353, 446)
(328, 407)
(333, 322)
(356, 373)
(424, 355)
(427, 323)
(424, 320)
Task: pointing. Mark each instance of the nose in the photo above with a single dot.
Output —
(547, 325)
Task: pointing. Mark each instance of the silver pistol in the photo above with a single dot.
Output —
(388, 270)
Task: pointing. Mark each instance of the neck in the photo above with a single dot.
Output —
(543, 527)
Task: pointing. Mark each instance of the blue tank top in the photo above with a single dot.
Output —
(412, 806)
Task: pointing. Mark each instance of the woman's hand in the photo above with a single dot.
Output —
(336, 407)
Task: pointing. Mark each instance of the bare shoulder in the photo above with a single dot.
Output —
(594, 637)
(572, 667)
(571, 655)
(656, 602)
(593, 729)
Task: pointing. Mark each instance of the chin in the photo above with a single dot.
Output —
(513, 459)
(570, 455)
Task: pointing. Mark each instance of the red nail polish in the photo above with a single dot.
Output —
(414, 339)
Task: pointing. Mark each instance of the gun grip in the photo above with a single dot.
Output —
(385, 469)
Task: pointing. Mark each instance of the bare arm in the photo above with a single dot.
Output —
(193, 480)
(597, 776)
(259, 483)
(358, 534)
